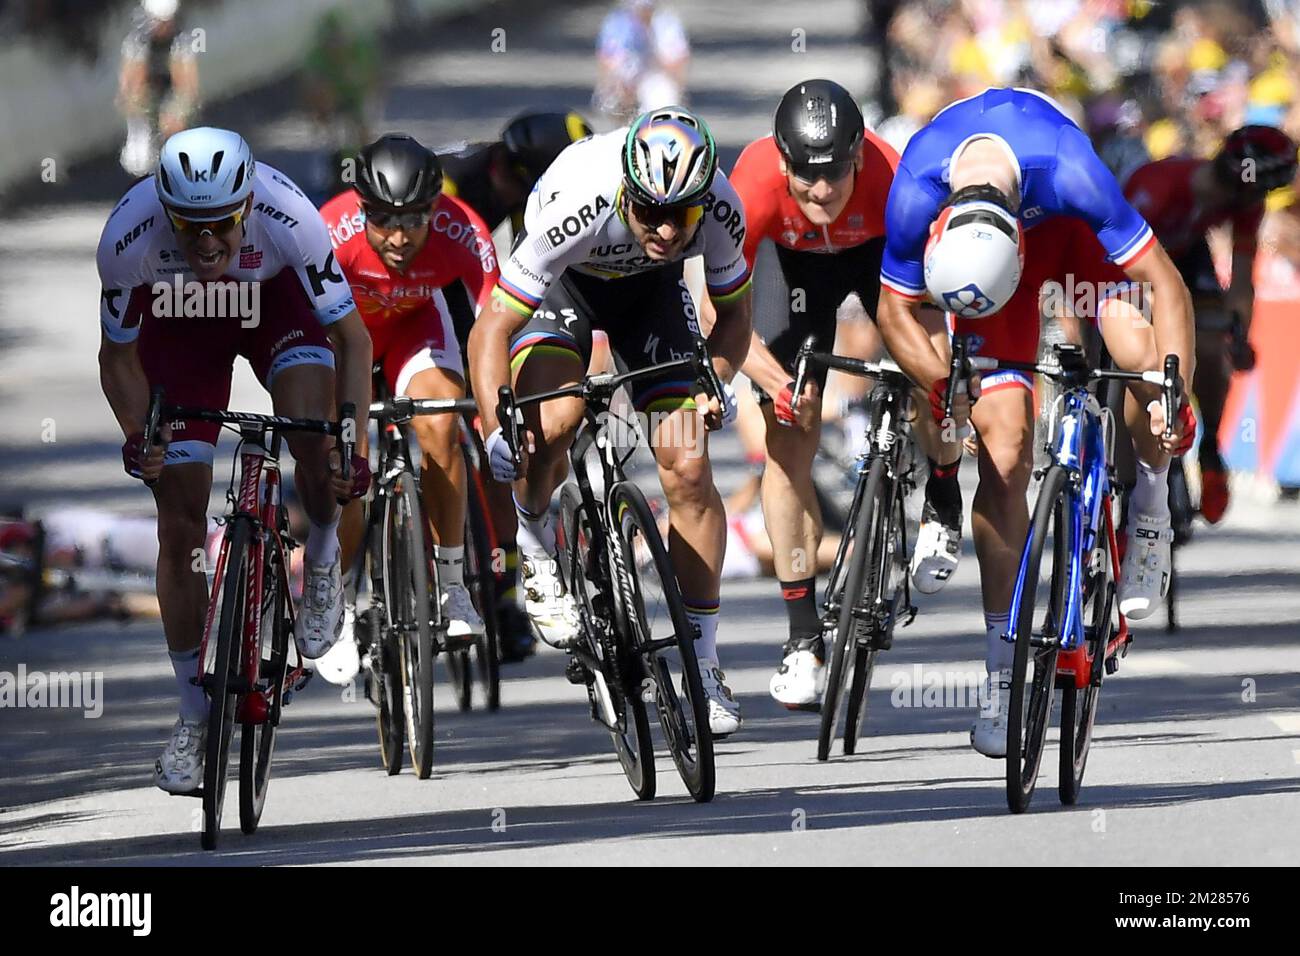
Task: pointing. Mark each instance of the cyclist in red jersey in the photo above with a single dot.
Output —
(400, 241)
(817, 189)
(1183, 199)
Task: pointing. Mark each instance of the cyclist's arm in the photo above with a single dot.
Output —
(352, 348)
(489, 356)
(1171, 308)
(123, 380)
(730, 338)
(907, 340)
(1240, 297)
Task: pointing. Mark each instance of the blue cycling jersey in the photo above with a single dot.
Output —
(1060, 175)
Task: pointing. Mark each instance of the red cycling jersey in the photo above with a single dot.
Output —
(772, 213)
(1162, 193)
(459, 247)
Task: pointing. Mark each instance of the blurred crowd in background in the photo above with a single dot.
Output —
(1146, 79)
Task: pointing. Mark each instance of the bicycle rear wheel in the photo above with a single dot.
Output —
(1079, 707)
(257, 740)
(578, 557)
(221, 676)
(406, 575)
(858, 584)
(662, 635)
(1038, 626)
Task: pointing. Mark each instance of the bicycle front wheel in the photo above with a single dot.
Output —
(406, 575)
(661, 634)
(257, 740)
(1038, 638)
(864, 527)
(222, 675)
(632, 741)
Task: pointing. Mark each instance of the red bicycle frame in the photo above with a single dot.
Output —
(255, 702)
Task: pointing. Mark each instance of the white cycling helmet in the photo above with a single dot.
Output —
(204, 169)
(160, 9)
(975, 253)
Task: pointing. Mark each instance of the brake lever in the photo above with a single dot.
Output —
(1171, 393)
(958, 370)
(152, 421)
(507, 417)
(706, 374)
(801, 371)
(345, 445)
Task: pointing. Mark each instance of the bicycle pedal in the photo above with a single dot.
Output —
(1112, 665)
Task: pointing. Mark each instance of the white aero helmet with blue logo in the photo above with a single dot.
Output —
(975, 253)
(204, 169)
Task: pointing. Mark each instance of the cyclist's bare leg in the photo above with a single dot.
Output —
(697, 521)
(553, 425)
(790, 510)
(442, 476)
(307, 391)
(182, 498)
(999, 514)
(941, 445)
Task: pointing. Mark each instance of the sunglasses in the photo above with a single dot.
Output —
(831, 172)
(217, 227)
(405, 221)
(681, 216)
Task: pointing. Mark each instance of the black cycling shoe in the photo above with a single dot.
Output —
(518, 643)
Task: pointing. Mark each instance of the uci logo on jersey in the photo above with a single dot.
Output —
(968, 301)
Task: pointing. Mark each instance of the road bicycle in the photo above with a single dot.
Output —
(636, 645)
(249, 664)
(869, 589)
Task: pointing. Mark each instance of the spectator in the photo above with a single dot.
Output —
(643, 55)
(158, 87)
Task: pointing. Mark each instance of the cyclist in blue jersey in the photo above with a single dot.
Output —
(998, 195)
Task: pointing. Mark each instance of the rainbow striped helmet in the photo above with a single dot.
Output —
(669, 158)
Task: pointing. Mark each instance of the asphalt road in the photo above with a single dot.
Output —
(1197, 751)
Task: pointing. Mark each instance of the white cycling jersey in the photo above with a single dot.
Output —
(572, 221)
(284, 230)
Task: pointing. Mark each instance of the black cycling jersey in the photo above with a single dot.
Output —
(466, 175)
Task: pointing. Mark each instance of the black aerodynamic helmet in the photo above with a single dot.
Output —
(395, 173)
(818, 124)
(533, 140)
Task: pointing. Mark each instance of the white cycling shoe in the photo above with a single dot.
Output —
(938, 550)
(463, 620)
(1144, 578)
(180, 768)
(724, 711)
(342, 662)
(989, 735)
(551, 609)
(800, 681)
(320, 619)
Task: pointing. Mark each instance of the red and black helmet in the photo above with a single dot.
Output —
(1257, 159)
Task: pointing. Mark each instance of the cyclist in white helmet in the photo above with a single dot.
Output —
(606, 232)
(211, 214)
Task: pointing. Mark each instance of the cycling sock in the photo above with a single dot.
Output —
(194, 702)
(943, 492)
(801, 607)
(536, 536)
(998, 654)
(1151, 493)
(322, 542)
(704, 615)
(451, 564)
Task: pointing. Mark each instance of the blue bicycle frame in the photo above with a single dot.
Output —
(1081, 442)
